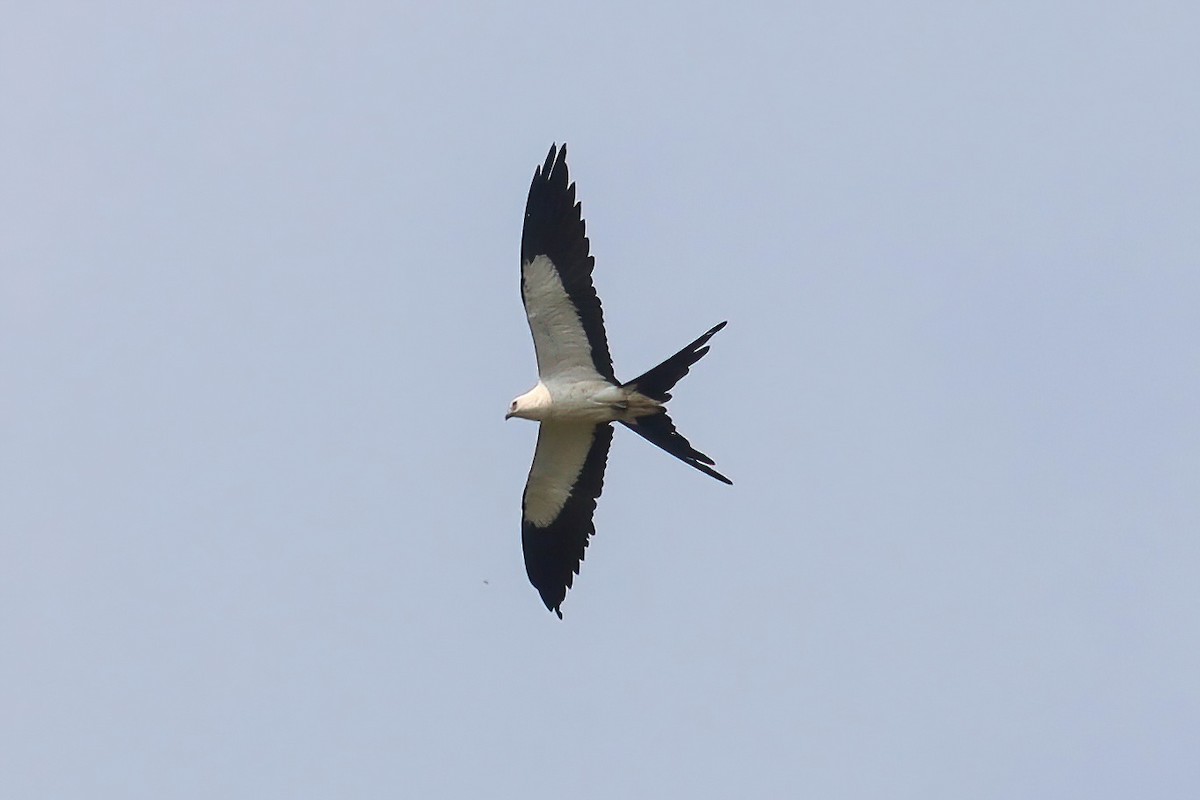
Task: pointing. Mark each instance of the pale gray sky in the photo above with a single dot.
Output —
(259, 325)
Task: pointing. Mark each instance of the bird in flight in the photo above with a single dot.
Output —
(577, 397)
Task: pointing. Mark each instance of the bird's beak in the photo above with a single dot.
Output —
(508, 415)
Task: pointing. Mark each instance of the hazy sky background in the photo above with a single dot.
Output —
(259, 325)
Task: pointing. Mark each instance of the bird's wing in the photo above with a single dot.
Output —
(565, 480)
(556, 280)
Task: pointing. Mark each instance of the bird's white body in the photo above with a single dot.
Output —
(592, 401)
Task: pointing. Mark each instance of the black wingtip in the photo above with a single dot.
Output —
(556, 156)
(554, 599)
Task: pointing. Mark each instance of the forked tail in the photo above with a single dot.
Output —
(657, 428)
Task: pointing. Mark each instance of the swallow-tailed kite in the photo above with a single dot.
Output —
(577, 397)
